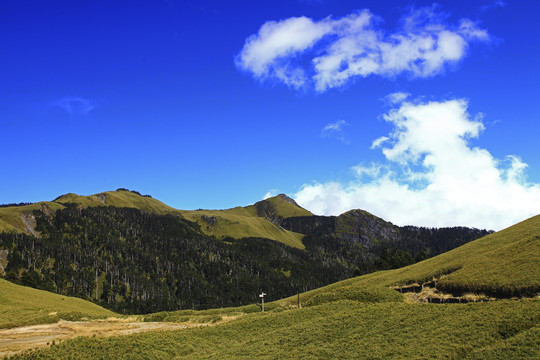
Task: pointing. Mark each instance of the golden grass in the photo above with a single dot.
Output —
(505, 263)
(237, 222)
(13, 218)
(118, 199)
(338, 330)
(282, 207)
(21, 305)
(240, 223)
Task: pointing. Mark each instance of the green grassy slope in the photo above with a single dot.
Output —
(21, 305)
(237, 222)
(363, 318)
(502, 264)
(283, 206)
(118, 199)
(19, 218)
(340, 330)
(256, 220)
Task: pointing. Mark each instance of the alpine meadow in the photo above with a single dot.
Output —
(305, 179)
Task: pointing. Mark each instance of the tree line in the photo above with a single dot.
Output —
(134, 261)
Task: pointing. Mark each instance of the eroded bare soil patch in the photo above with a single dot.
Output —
(19, 339)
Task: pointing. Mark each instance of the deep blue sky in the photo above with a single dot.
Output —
(146, 95)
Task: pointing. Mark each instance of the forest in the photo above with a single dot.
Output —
(134, 261)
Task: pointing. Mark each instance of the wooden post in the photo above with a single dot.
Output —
(262, 299)
(298, 299)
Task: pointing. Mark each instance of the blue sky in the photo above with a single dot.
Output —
(212, 104)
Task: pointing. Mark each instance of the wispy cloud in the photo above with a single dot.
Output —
(74, 105)
(493, 4)
(335, 130)
(396, 98)
(270, 193)
(432, 176)
(330, 52)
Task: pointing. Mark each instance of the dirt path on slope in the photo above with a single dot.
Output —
(23, 338)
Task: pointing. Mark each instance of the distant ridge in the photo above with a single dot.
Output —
(258, 220)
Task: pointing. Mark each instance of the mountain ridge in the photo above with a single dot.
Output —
(236, 222)
(130, 259)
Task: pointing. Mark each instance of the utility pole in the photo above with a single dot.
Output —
(262, 299)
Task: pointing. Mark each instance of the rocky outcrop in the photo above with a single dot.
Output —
(288, 199)
(210, 220)
(3, 261)
(101, 197)
(29, 222)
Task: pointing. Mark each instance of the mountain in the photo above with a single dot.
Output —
(376, 316)
(261, 220)
(256, 220)
(132, 253)
(373, 243)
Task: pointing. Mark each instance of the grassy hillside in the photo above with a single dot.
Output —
(238, 222)
(21, 305)
(122, 198)
(278, 206)
(363, 318)
(258, 220)
(20, 219)
(344, 330)
(502, 264)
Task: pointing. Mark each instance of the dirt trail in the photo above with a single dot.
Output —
(18, 339)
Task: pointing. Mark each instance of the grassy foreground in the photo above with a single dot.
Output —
(343, 329)
(362, 317)
(21, 305)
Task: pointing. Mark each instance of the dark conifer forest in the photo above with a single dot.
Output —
(134, 261)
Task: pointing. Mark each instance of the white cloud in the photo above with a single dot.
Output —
(335, 130)
(75, 105)
(379, 141)
(397, 97)
(270, 193)
(433, 176)
(267, 53)
(328, 53)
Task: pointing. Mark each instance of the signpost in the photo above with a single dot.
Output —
(262, 299)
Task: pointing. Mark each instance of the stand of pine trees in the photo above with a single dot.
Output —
(133, 261)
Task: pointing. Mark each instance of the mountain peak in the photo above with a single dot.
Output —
(288, 199)
(279, 206)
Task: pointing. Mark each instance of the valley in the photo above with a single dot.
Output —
(307, 179)
(479, 300)
(133, 254)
